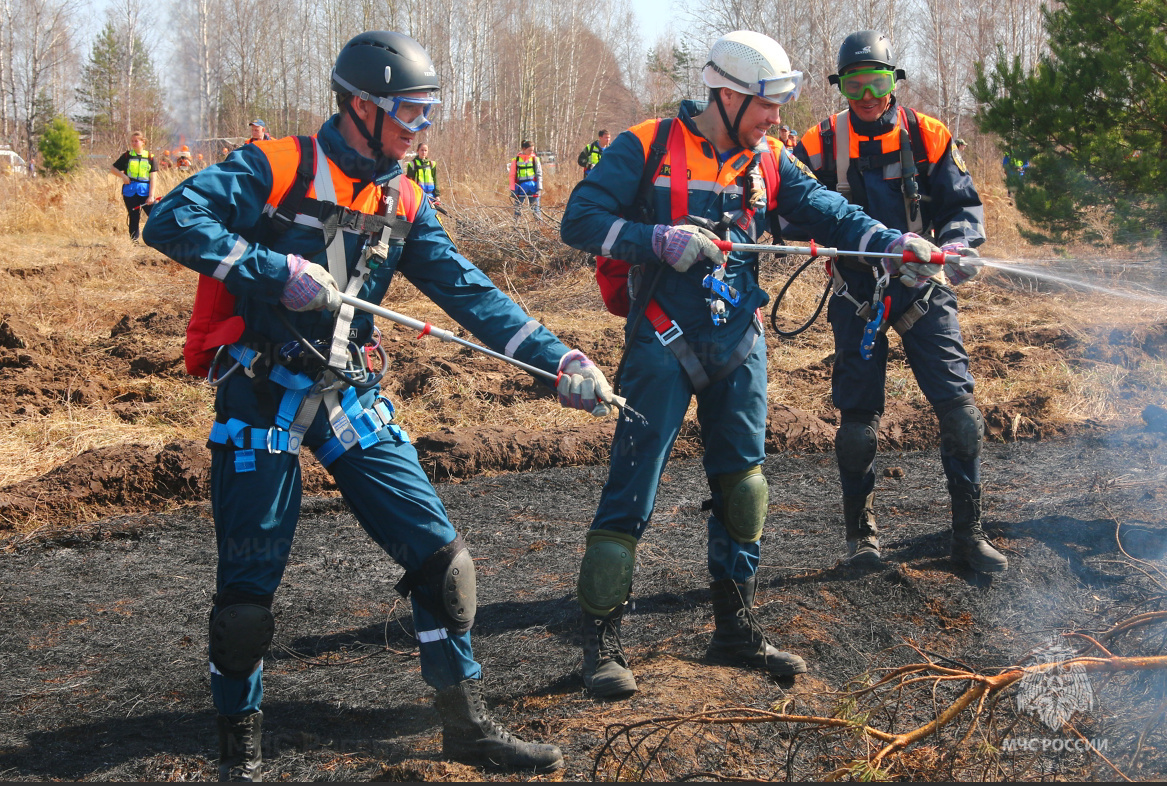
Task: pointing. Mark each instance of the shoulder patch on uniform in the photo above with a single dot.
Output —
(798, 163)
(958, 159)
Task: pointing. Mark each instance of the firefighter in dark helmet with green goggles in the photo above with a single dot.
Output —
(904, 170)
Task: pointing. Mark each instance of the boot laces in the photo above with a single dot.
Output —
(488, 725)
(611, 648)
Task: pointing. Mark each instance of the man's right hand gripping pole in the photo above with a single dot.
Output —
(309, 287)
(682, 245)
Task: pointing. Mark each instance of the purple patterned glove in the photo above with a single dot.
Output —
(682, 245)
(959, 272)
(581, 385)
(310, 287)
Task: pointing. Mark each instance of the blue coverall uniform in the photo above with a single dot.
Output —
(951, 212)
(213, 224)
(731, 412)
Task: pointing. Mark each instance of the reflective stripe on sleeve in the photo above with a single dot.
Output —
(229, 261)
(868, 234)
(613, 233)
(519, 337)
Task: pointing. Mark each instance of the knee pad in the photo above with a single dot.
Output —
(856, 444)
(242, 628)
(745, 499)
(962, 429)
(445, 586)
(605, 575)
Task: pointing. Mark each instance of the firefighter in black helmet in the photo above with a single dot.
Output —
(903, 169)
(286, 269)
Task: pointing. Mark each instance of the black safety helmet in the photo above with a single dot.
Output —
(869, 47)
(382, 63)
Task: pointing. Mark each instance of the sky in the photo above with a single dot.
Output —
(652, 17)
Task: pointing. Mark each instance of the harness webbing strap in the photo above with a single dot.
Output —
(678, 162)
(842, 141)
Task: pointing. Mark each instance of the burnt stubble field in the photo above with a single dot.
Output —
(104, 638)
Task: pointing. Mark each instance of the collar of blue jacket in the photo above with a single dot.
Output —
(350, 161)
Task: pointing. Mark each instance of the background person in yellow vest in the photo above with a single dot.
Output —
(136, 168)
(902, 168)
(424, 171)
(592, 153)
(526, 179)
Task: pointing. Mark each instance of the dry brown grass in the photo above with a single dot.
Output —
(73, 274)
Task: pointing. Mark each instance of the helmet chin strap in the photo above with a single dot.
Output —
(732, 128)
(373, 139)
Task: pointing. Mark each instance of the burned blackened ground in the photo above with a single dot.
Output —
(103, 647)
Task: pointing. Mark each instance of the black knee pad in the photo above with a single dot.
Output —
(856, 442)
(242, 627)
(962, 429)
(445, 586)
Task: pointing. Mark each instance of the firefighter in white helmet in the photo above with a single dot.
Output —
(693, 331)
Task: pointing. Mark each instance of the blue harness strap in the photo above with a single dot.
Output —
(372, 425)
(246, 439)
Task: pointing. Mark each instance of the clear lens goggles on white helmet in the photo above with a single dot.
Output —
(411, 112)
(780, 89)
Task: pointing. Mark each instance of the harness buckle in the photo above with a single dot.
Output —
(669, 336)
(272, 440)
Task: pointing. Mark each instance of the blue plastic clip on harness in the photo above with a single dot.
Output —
(872, 331)
(720, 293)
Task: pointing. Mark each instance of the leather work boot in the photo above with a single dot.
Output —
(862, 534)
(605, 668)
(471, 736)
(970, 547)
(241, 747)
(738, 638)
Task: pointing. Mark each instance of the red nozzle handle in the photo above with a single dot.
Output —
(938, 257)
(724, 245)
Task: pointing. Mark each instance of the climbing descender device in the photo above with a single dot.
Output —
(720, 293)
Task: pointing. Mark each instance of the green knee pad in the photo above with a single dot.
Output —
(745, 500)
(605, 575)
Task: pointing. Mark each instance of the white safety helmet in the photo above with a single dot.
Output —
(754, 64)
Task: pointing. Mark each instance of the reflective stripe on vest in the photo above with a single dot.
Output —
(138, 167)
(524, 169)
(422, 172)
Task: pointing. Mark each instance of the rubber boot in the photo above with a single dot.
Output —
(738, 639)
(862, 534)
(241, 747)
(471, 736)
(605, 668)
(970, 547)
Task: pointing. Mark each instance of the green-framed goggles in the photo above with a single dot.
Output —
(876, 81)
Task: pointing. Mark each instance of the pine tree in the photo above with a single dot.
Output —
(1091, 120)
(60, 147)
(109, 111)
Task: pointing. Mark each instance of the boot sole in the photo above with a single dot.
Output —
(864, 559)
(993, 568)
(720, 659)
(618, 688)
(487, 763)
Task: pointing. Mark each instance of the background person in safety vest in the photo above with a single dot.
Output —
(257, 130)
(693, 329)
(590, 156)
(136, 168)
(901, 167)
(287, 397)
(424, 171)
(526, 179)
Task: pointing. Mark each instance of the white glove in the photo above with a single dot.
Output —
(915, 273)
(310, 287)
(681, 246)
(581, 384)
(959, 272)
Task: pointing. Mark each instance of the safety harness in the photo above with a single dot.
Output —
(335, 374)
(835, 133)
(635, 299)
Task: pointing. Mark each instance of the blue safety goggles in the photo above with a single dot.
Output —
(411, 112)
